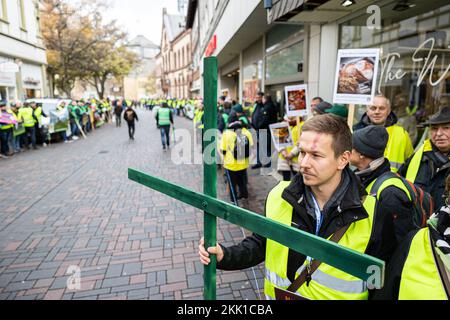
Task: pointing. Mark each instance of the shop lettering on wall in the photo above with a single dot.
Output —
(428, 69)
(31, 81)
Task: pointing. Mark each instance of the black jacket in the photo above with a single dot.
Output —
(394, 210)
(365, 121)
(342, 209)
(264, 115)
(130, 115)
(433, 171)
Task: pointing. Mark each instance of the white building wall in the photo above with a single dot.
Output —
(23, 45)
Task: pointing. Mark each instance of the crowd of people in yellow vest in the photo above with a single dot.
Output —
(362, 187)
(24, 126)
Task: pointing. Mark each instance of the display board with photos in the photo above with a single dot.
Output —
(297, 101)
(281, 135)
(356, 76)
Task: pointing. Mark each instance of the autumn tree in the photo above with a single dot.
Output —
(80, 46)
(109, 57)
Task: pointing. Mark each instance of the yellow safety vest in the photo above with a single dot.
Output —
(396, 182)
(164, 117)
(416, 161)
(420, 278)
(399, 147)
(26, 113)
(328, 283)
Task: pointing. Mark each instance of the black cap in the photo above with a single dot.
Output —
(443, 116)
(322, 107)
(371, 141)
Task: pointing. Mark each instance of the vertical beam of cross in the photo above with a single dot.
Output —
(209, 169)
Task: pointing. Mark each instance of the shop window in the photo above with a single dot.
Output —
(284, 62)
(252, 81)
(415, 54)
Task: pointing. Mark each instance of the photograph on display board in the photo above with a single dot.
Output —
(281, 135)
(297, 101)
(356, 76)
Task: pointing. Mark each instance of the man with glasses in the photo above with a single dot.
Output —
(430, 166)
(399, 147)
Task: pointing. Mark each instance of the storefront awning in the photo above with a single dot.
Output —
(284, 10)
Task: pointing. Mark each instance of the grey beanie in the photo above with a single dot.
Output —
(371, 141)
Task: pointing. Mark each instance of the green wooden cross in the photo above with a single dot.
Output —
(347, 260)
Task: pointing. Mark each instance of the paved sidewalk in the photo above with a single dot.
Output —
(73, 205)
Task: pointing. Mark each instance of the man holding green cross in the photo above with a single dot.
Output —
(325, 200)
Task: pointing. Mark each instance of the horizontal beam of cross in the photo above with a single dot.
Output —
(350, 261)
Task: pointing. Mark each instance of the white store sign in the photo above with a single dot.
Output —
(31, 76)
(7, 79)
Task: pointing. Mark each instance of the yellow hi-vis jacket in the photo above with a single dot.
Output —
(399, 147)
(328, 283)
(420, 278)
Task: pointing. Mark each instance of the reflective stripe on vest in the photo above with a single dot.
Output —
(328, 283)
(399, 147)
(414, 165)
(420, 278)
(164, 117)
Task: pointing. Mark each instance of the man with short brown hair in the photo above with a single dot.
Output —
(324, 200)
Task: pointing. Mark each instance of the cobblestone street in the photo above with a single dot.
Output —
(73, 205)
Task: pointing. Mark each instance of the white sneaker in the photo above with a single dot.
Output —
(75, 138)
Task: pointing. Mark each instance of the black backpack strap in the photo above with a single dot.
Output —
(380, 180)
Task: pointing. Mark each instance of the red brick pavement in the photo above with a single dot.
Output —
(76, 207)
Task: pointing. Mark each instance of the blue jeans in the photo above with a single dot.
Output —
(64, 136)
(165, 135)
(17, 143)
(30, 132)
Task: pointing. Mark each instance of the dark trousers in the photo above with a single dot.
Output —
(5, 136)
(237, 179)
(264, 153)
(131, 129)
(118, 120)
(30, 134)
(165, 135)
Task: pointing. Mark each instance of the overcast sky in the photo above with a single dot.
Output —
(141, 17)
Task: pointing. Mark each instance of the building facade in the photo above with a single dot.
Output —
(22, 53)
(268, 45)
(175, 59)
(141, 82)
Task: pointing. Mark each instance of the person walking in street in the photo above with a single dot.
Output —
(118, 112)
(324, 200)
(420, 267)
(264, 115)
(394, 202)
(430, 166)
(130, 116)
(164, 119)
(399, 147)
